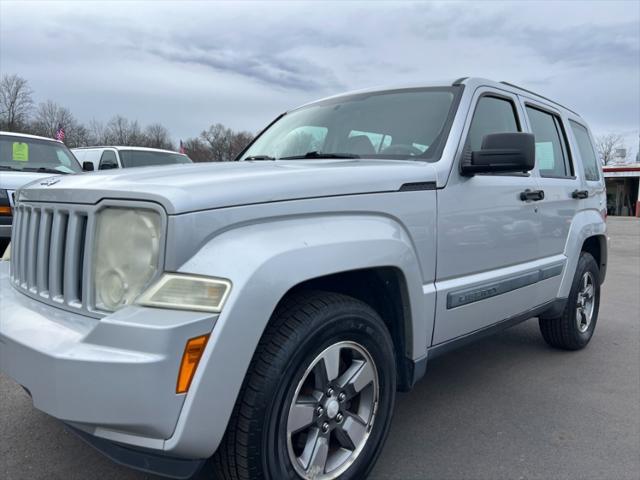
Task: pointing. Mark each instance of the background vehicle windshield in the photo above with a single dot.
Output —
(396, 124)
(32, 155)
(142, 158)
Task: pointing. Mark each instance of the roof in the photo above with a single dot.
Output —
(472, 82)
(126, 147)
(26, 135)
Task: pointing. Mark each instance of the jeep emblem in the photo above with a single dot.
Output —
(50, 181)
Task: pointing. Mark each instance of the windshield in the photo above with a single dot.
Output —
(145, 158)
(34, 155)
(397, 124)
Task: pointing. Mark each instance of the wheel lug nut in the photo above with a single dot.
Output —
(319, 410)
(339, 418)
(329, 392)
(341, 397)
(325, 427)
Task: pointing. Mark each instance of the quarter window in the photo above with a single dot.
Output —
(552, 155)
(492, 115)
(587, 153)
(108, 160)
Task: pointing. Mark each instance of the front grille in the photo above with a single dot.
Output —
(49, 256)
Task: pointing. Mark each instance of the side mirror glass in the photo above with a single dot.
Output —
(88, 166)
(501, 152)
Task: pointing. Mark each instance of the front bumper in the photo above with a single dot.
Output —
(113, 378)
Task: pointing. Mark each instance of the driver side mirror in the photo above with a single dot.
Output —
(501, 152)
(88, 166)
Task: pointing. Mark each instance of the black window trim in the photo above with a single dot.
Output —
(591, 144)
(499, 96)
(567, 155)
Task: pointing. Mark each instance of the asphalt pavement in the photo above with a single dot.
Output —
(507, 407)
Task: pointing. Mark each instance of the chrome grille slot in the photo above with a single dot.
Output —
(49, 251)
(44, 240)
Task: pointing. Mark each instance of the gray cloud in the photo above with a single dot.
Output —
(281, 71)
(189, 64)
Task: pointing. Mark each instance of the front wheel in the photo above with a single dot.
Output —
(318, 398)
(573, 329)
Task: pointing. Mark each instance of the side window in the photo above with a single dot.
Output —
(587, 153)
(108, 160)
(552, 155)
(492, 115)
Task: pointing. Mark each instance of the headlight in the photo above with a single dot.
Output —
(126, 253)
(187, 292)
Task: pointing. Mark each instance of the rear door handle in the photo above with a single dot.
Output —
(531, 195)
(580, 194)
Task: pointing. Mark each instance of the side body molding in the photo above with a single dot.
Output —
(586, 224)
(264, 261)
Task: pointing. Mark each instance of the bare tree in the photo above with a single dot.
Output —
(16, 102)
(239, 142)
(157, 136)
(120, 131)
(223, 143)
(96, 133)
(607, 146)
(50, 116)
(197, 150)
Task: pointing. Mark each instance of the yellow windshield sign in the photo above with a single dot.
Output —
(20, 152)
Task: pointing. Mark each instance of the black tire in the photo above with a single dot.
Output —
(563, 331)
(255, 444)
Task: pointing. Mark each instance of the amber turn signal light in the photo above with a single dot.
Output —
(192, 353)
(6, 211)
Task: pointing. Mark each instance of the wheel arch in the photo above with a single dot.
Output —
(385, 290)
(586, 233)
(264, 262)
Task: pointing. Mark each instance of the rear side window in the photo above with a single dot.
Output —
(587, 153)
(108, 160)
(492, 115)
(552, 155)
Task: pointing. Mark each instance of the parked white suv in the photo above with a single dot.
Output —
(264, 312)
(106, 158)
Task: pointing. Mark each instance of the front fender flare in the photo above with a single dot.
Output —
(264, 261)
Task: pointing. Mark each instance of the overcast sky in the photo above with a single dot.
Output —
(190, 64)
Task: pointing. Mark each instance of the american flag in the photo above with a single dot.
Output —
(60, 133)
(181, 147)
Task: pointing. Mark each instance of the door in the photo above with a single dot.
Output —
(488, 255)
(561, 186)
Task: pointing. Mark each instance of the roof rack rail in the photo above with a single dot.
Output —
(538, 95)
(459, 81)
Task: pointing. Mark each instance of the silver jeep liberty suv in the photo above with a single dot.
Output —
(255, 318)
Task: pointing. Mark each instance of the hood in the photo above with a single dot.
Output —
(190, 187)
(10, 180)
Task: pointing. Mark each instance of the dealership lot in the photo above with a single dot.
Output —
(506, 407)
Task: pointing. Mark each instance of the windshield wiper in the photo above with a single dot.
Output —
(316, 154)
(7, 167)
(259, 157)
(44, 170)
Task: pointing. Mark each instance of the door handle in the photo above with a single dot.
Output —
(531, 195)
(579, 194)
